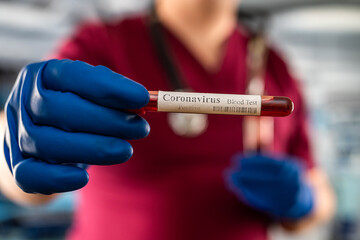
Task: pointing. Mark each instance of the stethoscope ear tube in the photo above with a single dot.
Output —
(173, 74)
(258, 132)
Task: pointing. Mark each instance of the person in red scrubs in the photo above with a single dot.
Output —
(177, 187)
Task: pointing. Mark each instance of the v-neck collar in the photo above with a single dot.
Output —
(173, 39)
(191, 68)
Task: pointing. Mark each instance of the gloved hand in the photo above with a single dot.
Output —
(273, 185)
(63, 112)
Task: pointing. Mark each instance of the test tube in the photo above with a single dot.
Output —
(214, 103)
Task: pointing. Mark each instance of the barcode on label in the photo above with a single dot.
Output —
(249, 110)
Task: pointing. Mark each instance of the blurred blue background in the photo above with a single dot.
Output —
(319, 38)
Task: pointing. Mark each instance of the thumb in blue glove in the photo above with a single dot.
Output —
(271, 184)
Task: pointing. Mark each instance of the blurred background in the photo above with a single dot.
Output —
(319, 38)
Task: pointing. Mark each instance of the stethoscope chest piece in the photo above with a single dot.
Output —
(188, 124)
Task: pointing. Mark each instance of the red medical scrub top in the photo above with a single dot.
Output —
(173, 187)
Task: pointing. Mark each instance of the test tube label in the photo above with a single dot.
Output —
(212, 103)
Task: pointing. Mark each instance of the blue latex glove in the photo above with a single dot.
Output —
(61, 113)
(270, 184)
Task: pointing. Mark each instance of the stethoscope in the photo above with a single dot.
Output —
(258, 132)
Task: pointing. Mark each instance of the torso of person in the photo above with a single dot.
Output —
(173, 187)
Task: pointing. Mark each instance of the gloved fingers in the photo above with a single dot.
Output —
(252, 178)
(271, 185)
(72, 113)
(97, 84)
(260, 172)
(259, 161)
(276, 196)
(34, 176)
(57, 146)
(264, 165)
(247, 194)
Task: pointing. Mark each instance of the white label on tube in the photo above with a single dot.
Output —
(211, 103)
